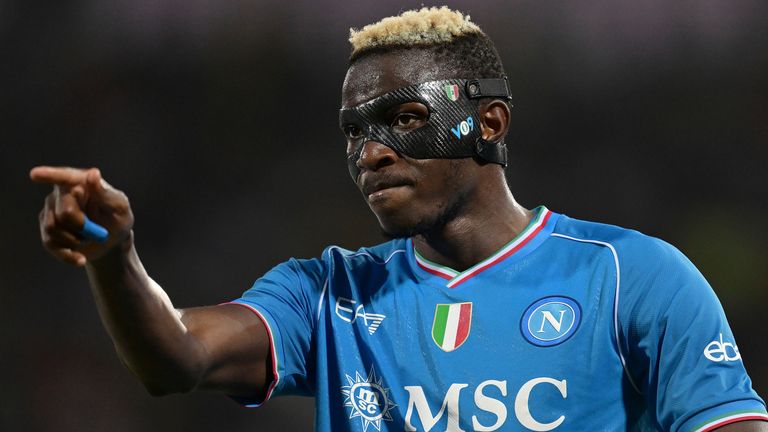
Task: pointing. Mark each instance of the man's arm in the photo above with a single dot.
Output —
(222, 347)
(745, 426)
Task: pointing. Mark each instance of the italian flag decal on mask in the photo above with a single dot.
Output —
(452, 92)
(451, 325)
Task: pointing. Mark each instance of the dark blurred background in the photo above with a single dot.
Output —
(218, 119)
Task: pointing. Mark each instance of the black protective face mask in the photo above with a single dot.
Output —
(452, 130)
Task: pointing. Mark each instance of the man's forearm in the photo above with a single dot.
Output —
(147, 331)
(225, 348)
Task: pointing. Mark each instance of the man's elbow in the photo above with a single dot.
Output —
(160, 381)
(165, 388)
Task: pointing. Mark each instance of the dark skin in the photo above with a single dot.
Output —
(221, 348)
(484, 215)
(461, 212)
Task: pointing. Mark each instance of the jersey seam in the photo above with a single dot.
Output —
(320, 302)
(616, 301)
(386, 260)
(324, 292)
(327, 282)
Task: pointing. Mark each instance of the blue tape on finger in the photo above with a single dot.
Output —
(94, 231)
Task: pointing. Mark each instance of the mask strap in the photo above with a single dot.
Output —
(488, 87)
(495, 152)
(488, 151)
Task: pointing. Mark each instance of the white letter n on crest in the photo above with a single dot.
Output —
(548, 317)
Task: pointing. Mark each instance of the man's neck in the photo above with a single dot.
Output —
(476, 234)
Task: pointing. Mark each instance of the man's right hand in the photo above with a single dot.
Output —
(224, 347)
(77, 193)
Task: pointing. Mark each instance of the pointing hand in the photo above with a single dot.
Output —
(73, 214)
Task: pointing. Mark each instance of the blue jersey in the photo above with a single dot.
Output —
(571, 326)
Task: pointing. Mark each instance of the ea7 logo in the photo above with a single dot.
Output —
(463, 128)
(718, 351)
(346, 310)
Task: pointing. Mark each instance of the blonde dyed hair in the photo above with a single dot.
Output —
(426, 26)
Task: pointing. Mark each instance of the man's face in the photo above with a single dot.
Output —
(409, 196)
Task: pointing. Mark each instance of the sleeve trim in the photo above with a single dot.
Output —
(272, 348)
(728, 419)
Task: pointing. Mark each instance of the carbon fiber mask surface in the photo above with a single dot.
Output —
(451, 131)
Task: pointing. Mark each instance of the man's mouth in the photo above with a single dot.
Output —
(377, 187)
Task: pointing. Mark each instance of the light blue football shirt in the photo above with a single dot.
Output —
(572, 326)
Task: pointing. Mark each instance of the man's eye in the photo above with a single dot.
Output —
(353, 132)
(406, 121)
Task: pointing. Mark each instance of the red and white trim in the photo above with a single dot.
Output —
(435, 269)
(275, 374)
(455, 278)
(732, 419)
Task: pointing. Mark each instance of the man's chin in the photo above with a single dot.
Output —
(397, 234)
(394, 231)
(427, 225)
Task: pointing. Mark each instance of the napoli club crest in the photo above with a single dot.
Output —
(550, 321)
(451, 325)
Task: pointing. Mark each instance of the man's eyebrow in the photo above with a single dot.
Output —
(400, 104)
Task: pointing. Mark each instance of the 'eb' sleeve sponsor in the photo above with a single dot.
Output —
(680, 352)
(286, 300)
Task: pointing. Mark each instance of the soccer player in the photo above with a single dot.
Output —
(479, 315)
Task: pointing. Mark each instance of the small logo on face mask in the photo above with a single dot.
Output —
(463, 128)
(452, 92)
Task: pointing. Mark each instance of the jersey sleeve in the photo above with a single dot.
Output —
(680, 352)
(286, 300)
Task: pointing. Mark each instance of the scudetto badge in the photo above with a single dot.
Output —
(550, 321)
(451, 325)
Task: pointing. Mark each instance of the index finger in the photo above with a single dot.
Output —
(58, 175)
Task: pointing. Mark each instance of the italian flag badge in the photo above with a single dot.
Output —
(451, 325)
(452, 92)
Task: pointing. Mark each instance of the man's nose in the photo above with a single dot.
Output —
(375, 155)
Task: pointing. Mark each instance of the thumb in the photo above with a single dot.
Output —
(102, 194)
(93, 180)
(97, 186)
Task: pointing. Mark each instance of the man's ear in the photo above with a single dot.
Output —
(494, 120)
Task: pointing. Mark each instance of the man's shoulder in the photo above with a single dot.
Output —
(382, 253)
(335, 260)
(629, 245)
